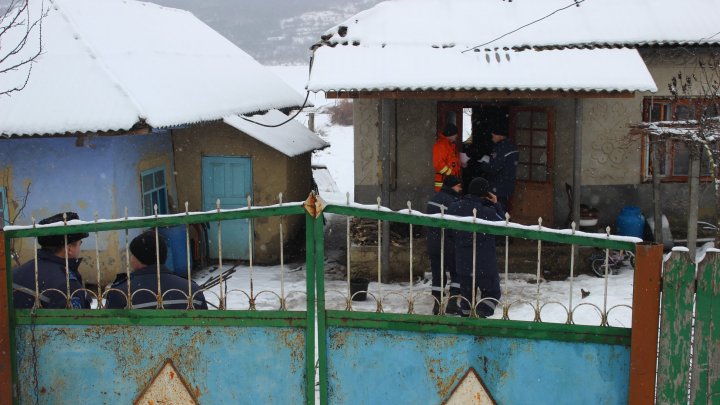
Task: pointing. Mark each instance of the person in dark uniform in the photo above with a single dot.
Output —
(59, 282)
(500, 167)
(449, 193)
(144, 256)
(487, 279)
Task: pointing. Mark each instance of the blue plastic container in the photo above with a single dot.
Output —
(177, 249)
(630, 222)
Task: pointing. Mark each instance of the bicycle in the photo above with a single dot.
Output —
(616, 259)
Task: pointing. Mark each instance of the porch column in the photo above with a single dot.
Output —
(577, 162)
(387, 111)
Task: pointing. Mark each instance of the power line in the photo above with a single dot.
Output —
(574, 3)
(284, 122)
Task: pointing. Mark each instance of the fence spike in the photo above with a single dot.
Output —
(507, 218)
(347, 198)
(540, 223)
(378, 201)
(187, 207)
(217, 204)
(572, 226)
(280, 198)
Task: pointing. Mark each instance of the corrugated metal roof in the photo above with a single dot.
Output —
(423, 68)
(109, 64)
(531, 23)
(291, 139)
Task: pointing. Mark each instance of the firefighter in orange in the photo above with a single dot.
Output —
(446, 159)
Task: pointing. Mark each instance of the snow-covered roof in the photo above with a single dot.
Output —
(430, 44)
(425, 68)
(575, 23)
(291, 139)
(110, 64)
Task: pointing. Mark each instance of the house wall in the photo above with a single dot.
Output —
(273, 173)
(90, 175)
(612, 159)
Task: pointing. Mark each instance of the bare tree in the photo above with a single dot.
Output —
(21, 42)
(701, 135)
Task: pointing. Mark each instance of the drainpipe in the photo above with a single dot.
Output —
(577, 162)
(386, 116)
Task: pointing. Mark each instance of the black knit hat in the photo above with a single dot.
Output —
(143, 248)
(450, 130)
(479, 187)
(451, 181)
(53, 241)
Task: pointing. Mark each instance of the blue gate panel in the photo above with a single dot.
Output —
(113, 364)
(424, 368)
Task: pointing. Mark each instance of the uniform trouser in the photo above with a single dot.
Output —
(489, 284)
(449, 264)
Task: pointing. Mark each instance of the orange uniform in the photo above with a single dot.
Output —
(446, 160)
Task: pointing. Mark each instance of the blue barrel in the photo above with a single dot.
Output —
(177, 249)
(630, 222)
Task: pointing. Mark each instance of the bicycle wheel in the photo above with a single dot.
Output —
(598, 267)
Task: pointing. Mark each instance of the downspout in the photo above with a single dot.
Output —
(386, 116)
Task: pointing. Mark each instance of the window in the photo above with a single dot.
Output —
(154, 191)
(4, 215)
(674, 153)
(531, 138)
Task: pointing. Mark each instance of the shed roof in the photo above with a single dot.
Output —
(110, 64)
(557, 45)
(291, 139)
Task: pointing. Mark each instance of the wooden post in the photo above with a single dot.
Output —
(646, 312)
(675, 329)
(5, 353)
(705, 382)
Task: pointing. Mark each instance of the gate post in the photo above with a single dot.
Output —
(705, 382)
(646, 312)
(676, 329)
(5, 352)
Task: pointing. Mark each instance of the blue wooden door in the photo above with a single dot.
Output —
(228, 179)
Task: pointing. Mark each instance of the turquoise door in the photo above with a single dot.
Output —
(228, 179)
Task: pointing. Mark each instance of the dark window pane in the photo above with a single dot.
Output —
(522, 119)
(539, 120)
(539, 138)
(681, 159)
(684, 112)
(522, 137)
(539, 173)
(147, 204)
(159, 178)
(147, 182)
(524, 155)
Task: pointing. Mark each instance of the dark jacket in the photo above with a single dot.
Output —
(51, 276)
(145, 279)
(442, 198)
(485, 259)
(501, 171)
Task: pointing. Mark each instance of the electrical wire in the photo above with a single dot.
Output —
(304, 104)
(574, 3)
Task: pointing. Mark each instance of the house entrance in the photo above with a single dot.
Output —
(229, 180)
(532, 131)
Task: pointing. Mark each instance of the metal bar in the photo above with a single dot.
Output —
(315, 241)
(348, 304)
(7, 330)
(441, 306)
(497, 228)
(570, 320)
(480, 327)
(282, 261)
(705, 382)
(97, 266)
(221, 304)
(161, 220)
(189, 262)
(577, 161)
(411, 305)
(538, 318)
(250, 253)
(162, 317)
(646, 311)
(473, 310)
(675, 329)
(382, 239)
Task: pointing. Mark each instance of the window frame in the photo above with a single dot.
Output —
(4, 207)
(158, 194)
(668, 112)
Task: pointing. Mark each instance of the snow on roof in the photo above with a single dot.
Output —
(291, 139)
(110, 64)
(468, 23)
(428, 44)
(426, 68)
